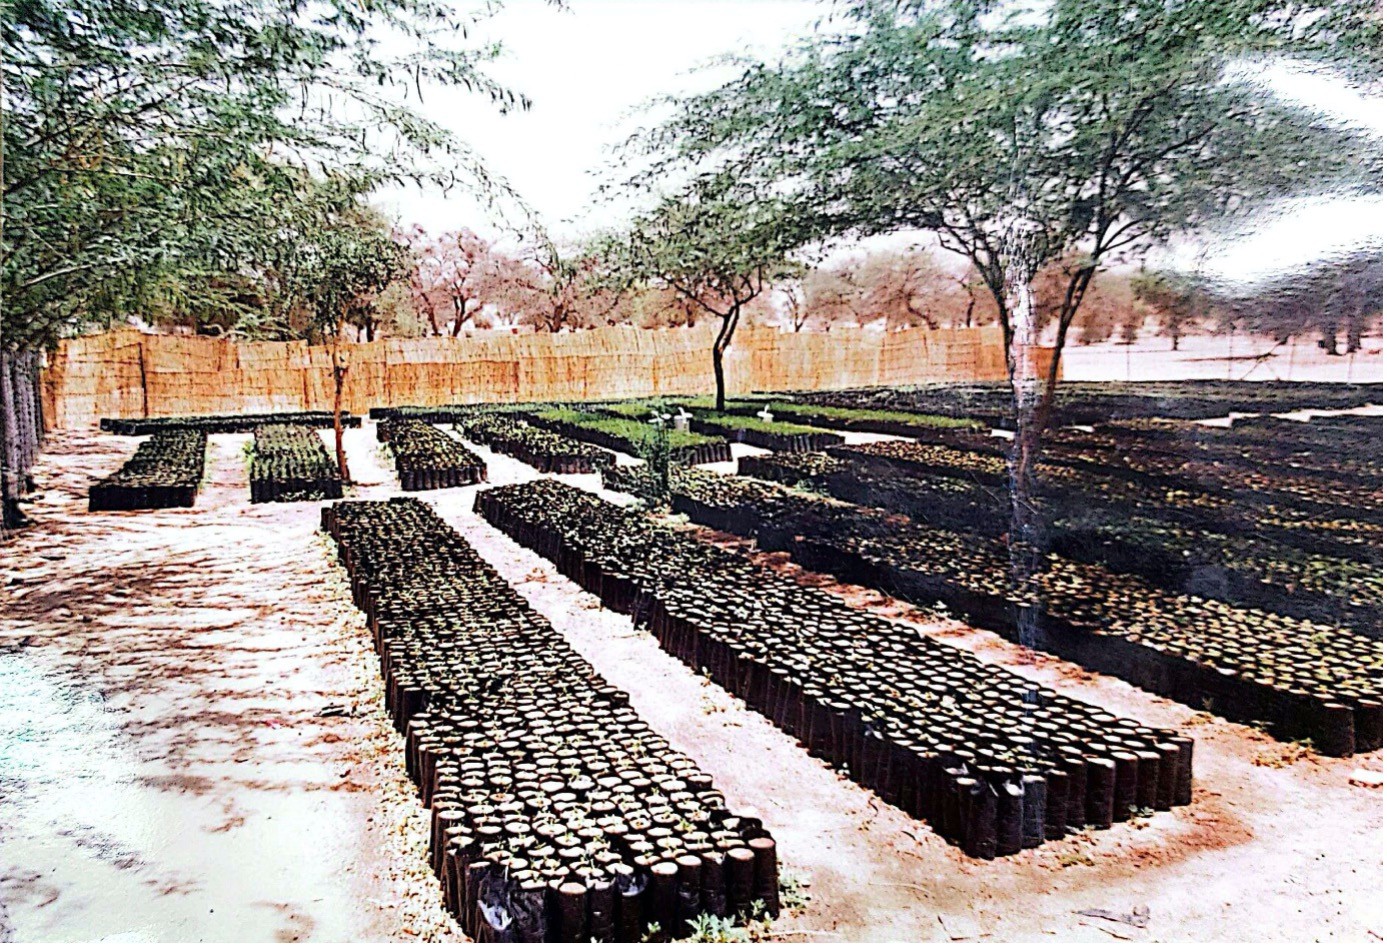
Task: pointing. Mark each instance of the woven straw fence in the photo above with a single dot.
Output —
(130, 374)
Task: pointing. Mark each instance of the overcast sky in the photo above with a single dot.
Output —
(589, 68)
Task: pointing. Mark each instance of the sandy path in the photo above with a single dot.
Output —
(171, 669)
(165, 770)
(1206, 356)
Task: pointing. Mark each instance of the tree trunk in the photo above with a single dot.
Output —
(1330, 335)
(1354, 341)
(339, 375)
(719, 381)
(720, 342)
(1025, 536)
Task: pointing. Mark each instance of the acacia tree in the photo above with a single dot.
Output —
(1021, 134)
(1177, 299)
(551, 289)
(1326, 297)
(716, 245)
(457, 273)
(145, 143)
(345, 269)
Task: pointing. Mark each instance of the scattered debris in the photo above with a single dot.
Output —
(1366, 778)
(960, 927)
(1139, 917)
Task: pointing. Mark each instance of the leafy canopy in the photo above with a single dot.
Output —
(162, 143)
(1102, 126)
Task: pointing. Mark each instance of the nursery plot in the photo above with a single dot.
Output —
(739, 428)
(164, 472)
(557, 814)
(1300, 679)
(1354, 459)
(629, 436)
(448, 413)
(1229, 567)
(1253, 483)
(994, 762)
(1074, 490)
(1096, 402)
(1352, 462)
(223, 423)
(899, 423)
(290, 462)
(428, 459)
(544, 450)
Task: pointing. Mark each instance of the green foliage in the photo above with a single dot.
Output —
(635, 432)
(654, 450)
(813, 411)
(794, 891)
(1022, 134)
(161, 156)
(717, 244)
(749, 422)
(709, 929)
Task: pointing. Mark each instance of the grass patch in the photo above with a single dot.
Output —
(634, 432)
(750, 422)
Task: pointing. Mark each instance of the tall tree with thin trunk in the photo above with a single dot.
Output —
(345, 270)
(1025, 133)
(716, 245)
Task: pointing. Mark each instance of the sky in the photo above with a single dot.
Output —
(590, 68)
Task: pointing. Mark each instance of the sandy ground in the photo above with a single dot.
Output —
(166, 771)
(1215, 357)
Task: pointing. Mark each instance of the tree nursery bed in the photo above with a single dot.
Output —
(223, 423)
(945, 738)
(428, 459)
(629, 436)
(164, 472)
(557, 814)
(542, 449)
(1301, 680)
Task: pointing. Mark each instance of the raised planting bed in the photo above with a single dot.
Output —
(165, 472)
(447, 413)
(223, 423)
(1234, 568)
(1097, 402)
(1257, 482)
(544, 450)
(290, 462)
(1072, 491)
(1352, 460)
(995, 763)
(428, 459)
(867, 420)
(629, 436)
(772, 435)
(740, 428)
(1299, 679)
(556, 813)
